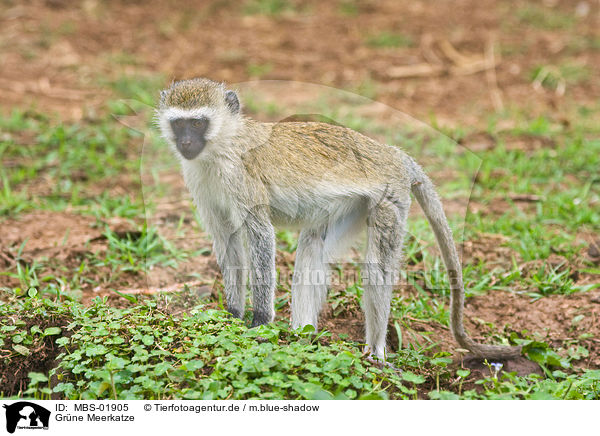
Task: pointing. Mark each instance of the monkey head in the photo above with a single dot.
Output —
(194, 113)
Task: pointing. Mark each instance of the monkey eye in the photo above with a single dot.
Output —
(199, 123)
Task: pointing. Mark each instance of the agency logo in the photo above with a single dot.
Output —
(26, 415)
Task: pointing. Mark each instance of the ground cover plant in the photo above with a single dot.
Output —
(107, 293)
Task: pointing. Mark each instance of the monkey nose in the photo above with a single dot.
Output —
(186, 143)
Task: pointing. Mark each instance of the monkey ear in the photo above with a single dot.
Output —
(232, 101)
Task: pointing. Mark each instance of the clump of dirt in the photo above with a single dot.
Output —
(350, 327)
(593, 251)
(489, 248)
(482, 141)
(528, 142)
(478, 141)
(480, 370)
(519, 365)
(15, 368)
(555, 262)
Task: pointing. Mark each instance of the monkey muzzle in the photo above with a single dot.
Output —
(190, 135)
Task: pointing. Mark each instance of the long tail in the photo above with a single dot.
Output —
(424, 191)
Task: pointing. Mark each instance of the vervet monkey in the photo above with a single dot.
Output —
(246, 176)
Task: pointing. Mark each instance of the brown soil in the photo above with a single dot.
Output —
(59, 55)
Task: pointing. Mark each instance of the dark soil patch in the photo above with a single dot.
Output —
(15, 368)
(484, 141)
(489, 248)
(593, 251)
(520, 365)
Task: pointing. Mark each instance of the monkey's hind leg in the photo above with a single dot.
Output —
(317, 249)
(385, 234)
(309, 287)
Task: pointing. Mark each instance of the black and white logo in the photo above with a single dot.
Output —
(26, 415)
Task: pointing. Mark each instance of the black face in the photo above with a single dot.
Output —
(189, 135)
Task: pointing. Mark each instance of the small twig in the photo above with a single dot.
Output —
(472, 68)
(492, 80)
(454, 55)
(525, 197)
(425, 69)
(415, 70)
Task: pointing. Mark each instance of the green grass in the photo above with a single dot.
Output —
(143, 89)
(567, 73)
(366, 87)
(545, 17)
(389, 40)
(139, 251)
(579, 44)
(349, 8)
(145, 352)
(268, 7)
(55, 166)
(259, 70)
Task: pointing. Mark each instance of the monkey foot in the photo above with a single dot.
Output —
(380, 363)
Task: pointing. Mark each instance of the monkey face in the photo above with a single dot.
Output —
(190, 135)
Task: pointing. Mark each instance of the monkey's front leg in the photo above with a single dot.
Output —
(261, 251)
(229, 249)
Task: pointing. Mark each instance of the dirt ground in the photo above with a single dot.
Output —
(464, 58)
(54, 54)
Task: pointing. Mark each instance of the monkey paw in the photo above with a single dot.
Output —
(375, 361)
